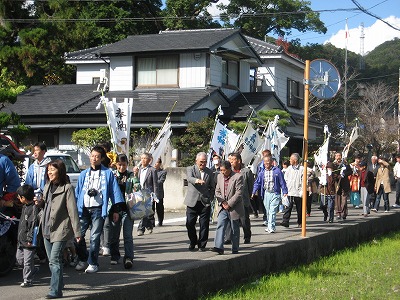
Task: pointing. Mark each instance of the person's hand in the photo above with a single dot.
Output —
(115, 217)
(200, 181)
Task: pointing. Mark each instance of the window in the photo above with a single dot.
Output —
(157, 71)
(95, 80)
(295, 93)
(230, 73)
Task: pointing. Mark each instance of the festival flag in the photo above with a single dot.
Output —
(223, 142)
(249, 145)
(353, 136)
(275, 139)
(159, 144)
(119, 120)
(321, 157)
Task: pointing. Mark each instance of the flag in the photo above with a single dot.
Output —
(223, 142)
(353, 136)
(119, 121)
(250, 144)
(275, 139)
(321, 157)
(159, 144)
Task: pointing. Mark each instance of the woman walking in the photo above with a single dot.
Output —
(59, 222)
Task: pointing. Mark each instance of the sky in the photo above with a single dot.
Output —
(376, 32)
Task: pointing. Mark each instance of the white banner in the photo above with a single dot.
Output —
(119, 121)
(250, 144)
(223, 142)
(275, 139)
(160, 142)
(321, 157)
(353, 137)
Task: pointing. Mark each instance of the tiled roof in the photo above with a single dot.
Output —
(241, 106)
(81, 99)
(177, 40)
(52, 99)
(262, 47)
(85, 54)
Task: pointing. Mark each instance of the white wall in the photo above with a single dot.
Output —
(244, 77)
(282, 73)
(86, 72)
(121, 73)
(192, 70)
(215, 70)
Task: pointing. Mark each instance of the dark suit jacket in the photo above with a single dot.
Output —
(199, 192)
(151, 180)
(162, 175)
(234, 194)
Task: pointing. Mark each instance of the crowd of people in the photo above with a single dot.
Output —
(56, 217)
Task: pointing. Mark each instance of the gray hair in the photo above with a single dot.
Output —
(297, 156)
(201, 154)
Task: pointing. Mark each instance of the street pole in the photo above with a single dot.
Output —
(305, 148)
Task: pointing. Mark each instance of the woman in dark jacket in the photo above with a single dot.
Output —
(59, 223)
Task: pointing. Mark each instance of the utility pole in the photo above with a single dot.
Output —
(362, 37)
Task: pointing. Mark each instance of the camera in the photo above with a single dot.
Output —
(92, 192)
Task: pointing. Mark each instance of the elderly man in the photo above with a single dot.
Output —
(200, 192)
(229, 193)
(294, 182)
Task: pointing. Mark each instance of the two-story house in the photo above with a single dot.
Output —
(200, 69)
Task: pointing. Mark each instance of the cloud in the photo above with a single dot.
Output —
(374, 35)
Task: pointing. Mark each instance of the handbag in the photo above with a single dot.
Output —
(139, 204)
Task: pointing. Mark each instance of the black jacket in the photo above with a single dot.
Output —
(27, 222)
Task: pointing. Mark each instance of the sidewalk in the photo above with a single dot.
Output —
(164, 268)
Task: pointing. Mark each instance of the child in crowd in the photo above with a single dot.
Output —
(27, 234)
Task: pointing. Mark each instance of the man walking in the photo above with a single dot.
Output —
(294, 182)
(96, 185)
(200, 192)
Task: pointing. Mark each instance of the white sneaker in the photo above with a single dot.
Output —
(106, 251)
(82, 265)
(92, 269)
(395, 205)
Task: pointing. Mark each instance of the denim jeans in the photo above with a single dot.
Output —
(271, 203)
(127, 228)
(90, 216)
(55, 254)
(328, 206)
(379, 194)
(222, 221)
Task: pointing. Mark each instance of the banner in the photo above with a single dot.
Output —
(353, 136)
(251, 143)
(321, 157)
(275, 139)
(223, 142)
(159, 144)
(119, 120)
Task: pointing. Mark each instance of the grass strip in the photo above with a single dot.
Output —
(368, 271)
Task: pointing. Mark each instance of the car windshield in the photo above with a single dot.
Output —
(70, 164)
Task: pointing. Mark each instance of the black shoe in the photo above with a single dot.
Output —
(192, 247)
(235, 252)
(52, 296)
(202, 249)
(246, 241)
(128, 264)
(227, 242)
(284, 224)
(217, 250)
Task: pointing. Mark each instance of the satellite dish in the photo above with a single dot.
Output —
(324, 79)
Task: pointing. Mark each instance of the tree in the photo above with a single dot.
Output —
(188, 14)
(261, 120)
(86, 139)
(196, 138)
(258, 18)
(378, 125)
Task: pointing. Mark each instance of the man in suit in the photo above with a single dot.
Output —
(229, 193)
(373, 167)
(159, 206)
(148, 180)
(200, 192)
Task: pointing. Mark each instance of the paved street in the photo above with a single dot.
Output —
(164, 253)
